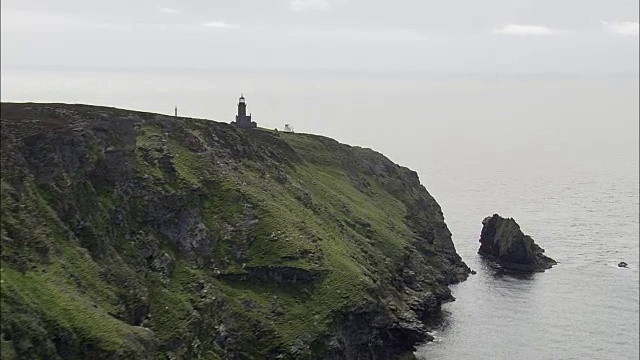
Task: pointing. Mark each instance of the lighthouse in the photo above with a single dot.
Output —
(243, 120)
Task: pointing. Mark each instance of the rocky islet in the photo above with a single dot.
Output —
(502, 242)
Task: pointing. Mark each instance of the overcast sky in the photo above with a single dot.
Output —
(462, 36)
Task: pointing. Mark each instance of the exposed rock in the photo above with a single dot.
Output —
(372, 333)
(164, 264)
(426, 306)
(502, 241)
(622, 264)
(277, 274)
(276, 307)
(410, 280)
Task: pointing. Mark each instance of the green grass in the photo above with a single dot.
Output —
(57, 300)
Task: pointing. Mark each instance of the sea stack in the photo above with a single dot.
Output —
(503, 242)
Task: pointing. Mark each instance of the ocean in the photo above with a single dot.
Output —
(559, 153)
(583, 210)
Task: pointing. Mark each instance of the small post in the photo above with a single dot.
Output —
(176, 112)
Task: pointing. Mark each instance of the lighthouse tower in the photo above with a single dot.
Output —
(243, 120)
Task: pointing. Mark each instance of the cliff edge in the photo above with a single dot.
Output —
(136, 235)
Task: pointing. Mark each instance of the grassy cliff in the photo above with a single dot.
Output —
(136, 235)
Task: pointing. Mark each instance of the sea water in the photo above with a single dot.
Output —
(583, 209)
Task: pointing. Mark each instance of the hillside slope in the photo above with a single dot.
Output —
(136, 235)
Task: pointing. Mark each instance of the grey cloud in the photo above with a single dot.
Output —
(220, 25)
(622, 27)
(518, 29)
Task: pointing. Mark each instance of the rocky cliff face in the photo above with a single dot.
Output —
(502, 241)
(136, 235)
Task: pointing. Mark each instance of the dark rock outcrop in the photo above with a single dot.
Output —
(503, 242)
(392, 338)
